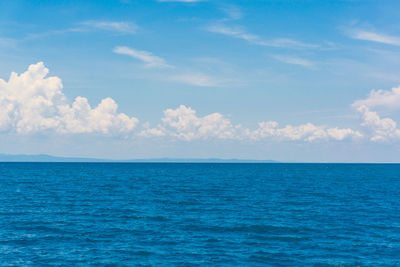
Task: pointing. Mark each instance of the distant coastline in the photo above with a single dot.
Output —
(50, 158)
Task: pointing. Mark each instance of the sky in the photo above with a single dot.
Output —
(309, 81)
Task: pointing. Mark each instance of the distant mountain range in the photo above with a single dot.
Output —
(48, 158)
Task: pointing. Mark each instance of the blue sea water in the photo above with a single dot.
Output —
(148, 214)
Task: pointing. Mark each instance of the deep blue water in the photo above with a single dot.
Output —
(199, 214)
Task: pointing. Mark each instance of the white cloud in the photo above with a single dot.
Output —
(117, 26)
(382, 129)
(183, 123)
(240, 33)
(197, 79)
(32, 102)
(151, 132)
(234, 32)
(295, 61)
(150, 60)
(375, 37)
(341, 134)
(288, 43)
(381, 98)
(307, 132)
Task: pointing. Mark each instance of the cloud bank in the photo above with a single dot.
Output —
(184, 124)
(34, 103)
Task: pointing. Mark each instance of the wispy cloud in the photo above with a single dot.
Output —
(8, 42)
(234, 32)
(193, 75)
(52, 33)
(88, 26)
(375, 37)
(117, 26)
(240, 33)
(150, 60)
(197, 79)
(233, 12)
(295, 61)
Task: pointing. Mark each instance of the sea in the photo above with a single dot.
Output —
(199, 214)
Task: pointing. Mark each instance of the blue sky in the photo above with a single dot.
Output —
(283, 80)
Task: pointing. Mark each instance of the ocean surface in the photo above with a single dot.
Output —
(149, 214)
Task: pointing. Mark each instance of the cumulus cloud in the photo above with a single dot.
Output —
(150, 60)
(183, 123)
(381, 98)
(34, 103)
(240, 33)
(307, 132)
(31, 102)
(375, 37)
(383, 129)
